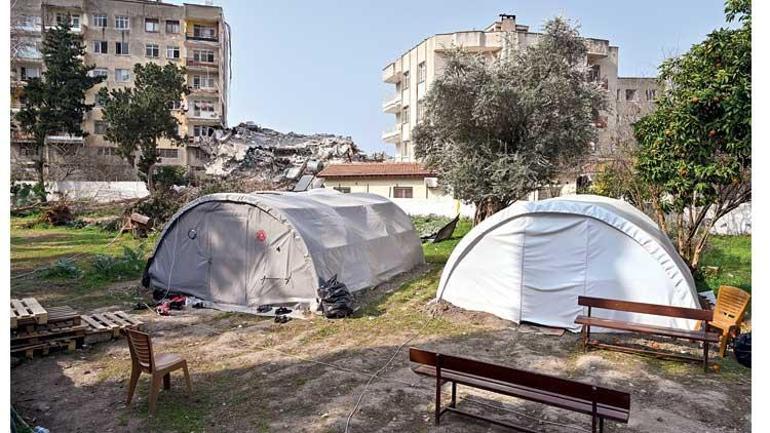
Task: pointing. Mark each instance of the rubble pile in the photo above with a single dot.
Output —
(248, 150)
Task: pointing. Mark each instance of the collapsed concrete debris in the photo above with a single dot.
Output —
(249, 150)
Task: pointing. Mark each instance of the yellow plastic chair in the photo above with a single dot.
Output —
(728, 313)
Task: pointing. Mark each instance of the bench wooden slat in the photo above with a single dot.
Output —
(711, 337)
(526, 393)
(639, 307)
(520, 377)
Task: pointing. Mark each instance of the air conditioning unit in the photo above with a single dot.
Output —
(431, 182)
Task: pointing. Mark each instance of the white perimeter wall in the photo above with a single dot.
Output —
(96, 191)
(737, 222)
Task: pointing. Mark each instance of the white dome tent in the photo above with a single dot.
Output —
(239, 251)
(531, 261)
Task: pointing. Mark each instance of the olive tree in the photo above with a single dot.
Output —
(496, 130)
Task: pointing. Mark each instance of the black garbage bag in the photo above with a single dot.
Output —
(742, 349)
(336, 300)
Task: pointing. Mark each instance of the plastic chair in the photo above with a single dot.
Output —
(728, 313)
(159, 367)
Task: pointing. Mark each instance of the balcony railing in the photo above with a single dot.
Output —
(191, 61)
(206, 115)
(597, 47)
(201, 89)
(392, 72)
(392, 135)
(392, 103)
(197, 36)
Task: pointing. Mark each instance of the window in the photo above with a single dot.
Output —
(121, 22)
(420, 111)
(151, 25)
(100, 127)
(175, 105)
(172, 26)
(203, 56)
(405, 115)
(98, 72)
(594, 74)
(100, 20)
(122, 75)
(121, 48)
(203, 82)
(100, 100)
(202, 131)
(100, 47)
(172, 52)
(201, 107)
(405, 81)
(65, 18)
(422, 72)
(204, 32)
(28, 150)
(630, 94)
(402, 192)
(650, 94)
(152, 50)
(107, 151)
(343, 189)
(29, 22)
(27, 73)
(168, 153)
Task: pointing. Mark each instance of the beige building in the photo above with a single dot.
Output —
(413, 73)
(117, 35)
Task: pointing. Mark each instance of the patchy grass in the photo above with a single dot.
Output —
(726, 261)
(65, 265)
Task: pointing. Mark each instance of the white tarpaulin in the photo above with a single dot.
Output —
(531, 261)
(239, 251)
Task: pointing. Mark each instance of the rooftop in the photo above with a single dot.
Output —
(375, 169)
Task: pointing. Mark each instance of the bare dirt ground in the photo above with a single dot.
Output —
(252, 375)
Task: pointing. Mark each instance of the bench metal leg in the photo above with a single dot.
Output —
(454, 395)
(705, 357)
(601, 425)
(438, 395)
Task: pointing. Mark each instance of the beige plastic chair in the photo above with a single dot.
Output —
(728, 313)
(159, 367)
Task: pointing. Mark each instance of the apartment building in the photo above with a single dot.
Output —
(413, 73)
(117, 35)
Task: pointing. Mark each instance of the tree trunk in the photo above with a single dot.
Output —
(150, 179)
(485, 208)
(40, 169)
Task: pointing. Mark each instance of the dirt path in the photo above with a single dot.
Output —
(250, 374)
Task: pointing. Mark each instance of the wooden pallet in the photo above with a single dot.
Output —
(58, 318)
(26, 311)
(111, 323)
(42, 349)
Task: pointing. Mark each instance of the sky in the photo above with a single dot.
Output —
(316, 66)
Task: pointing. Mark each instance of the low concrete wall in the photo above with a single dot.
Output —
(737, 222)
(97, 191)
(441, 207)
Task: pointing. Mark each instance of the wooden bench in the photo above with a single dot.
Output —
(658, 310)
(600, 403)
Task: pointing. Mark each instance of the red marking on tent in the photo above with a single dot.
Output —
(261, 235)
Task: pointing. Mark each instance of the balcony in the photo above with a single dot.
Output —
(68, 4)
(201, 36)
(204, 90)
(63, 138)
(194, 63)
(203, 115)
(392, 72)
(597, 47)
(392, 103)
(392, 135)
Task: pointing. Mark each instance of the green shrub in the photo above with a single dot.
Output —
(62, 268)
(129, 265)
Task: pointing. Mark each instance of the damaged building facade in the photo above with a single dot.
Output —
(118, 34)
(413, 73)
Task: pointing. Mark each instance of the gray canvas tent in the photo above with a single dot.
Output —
(239, 251)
